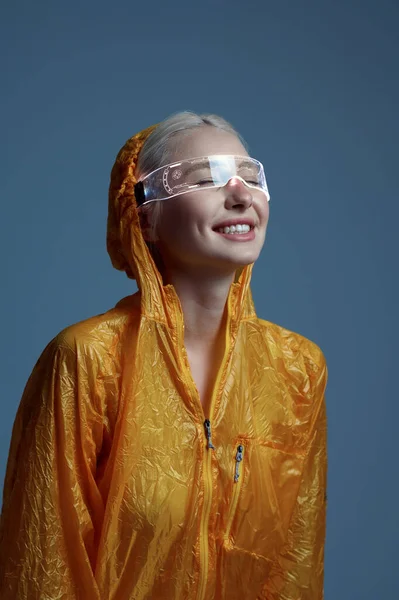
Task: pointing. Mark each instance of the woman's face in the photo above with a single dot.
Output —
(187, 235)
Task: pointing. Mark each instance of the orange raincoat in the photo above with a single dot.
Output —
(113, 490)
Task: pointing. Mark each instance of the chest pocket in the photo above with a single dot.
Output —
(260, 488)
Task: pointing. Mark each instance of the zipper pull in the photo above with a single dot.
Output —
(239, 457)
(208, 433)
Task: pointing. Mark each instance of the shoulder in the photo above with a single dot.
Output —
(301, 358)
(293, 344)
(97, 336)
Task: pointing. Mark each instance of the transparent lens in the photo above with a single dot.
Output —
(198, 174)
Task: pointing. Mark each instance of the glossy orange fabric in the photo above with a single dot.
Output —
(111, 491)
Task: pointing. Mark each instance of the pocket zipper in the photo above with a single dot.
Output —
(237, 482)
(239, 457)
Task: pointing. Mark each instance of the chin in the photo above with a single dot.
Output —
(234, 265)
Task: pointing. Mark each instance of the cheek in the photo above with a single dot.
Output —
(185, 221)
(264, 212)
(175, 232)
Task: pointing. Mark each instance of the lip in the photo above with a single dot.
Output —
(229, 222)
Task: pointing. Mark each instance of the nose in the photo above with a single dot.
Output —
(237, 193)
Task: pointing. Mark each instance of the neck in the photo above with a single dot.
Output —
(203, 301)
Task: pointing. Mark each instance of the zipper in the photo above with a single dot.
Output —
(208, 434)
(237, 483)
(204, 550)
(207, 460)
(204, 544)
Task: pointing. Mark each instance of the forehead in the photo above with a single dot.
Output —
(204, 141)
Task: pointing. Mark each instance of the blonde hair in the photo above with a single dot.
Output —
(157, 151)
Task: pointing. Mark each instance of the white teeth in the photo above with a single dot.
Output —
(239, 228)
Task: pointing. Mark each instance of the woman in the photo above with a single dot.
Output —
(175, 446)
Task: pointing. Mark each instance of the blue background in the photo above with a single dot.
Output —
(313, 88)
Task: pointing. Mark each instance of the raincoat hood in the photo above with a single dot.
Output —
(129, 252)
(119, 486)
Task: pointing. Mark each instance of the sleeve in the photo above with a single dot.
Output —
(52, 509)
(298, 572)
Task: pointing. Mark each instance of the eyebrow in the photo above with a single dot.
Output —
(243, 163)
(196, 167)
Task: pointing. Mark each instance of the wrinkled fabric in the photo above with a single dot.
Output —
(122, 214)
(111, 491)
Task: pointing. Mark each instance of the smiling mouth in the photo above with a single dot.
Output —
(235, 232)
(246, 236)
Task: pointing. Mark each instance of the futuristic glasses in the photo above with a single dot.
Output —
(202, 173)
